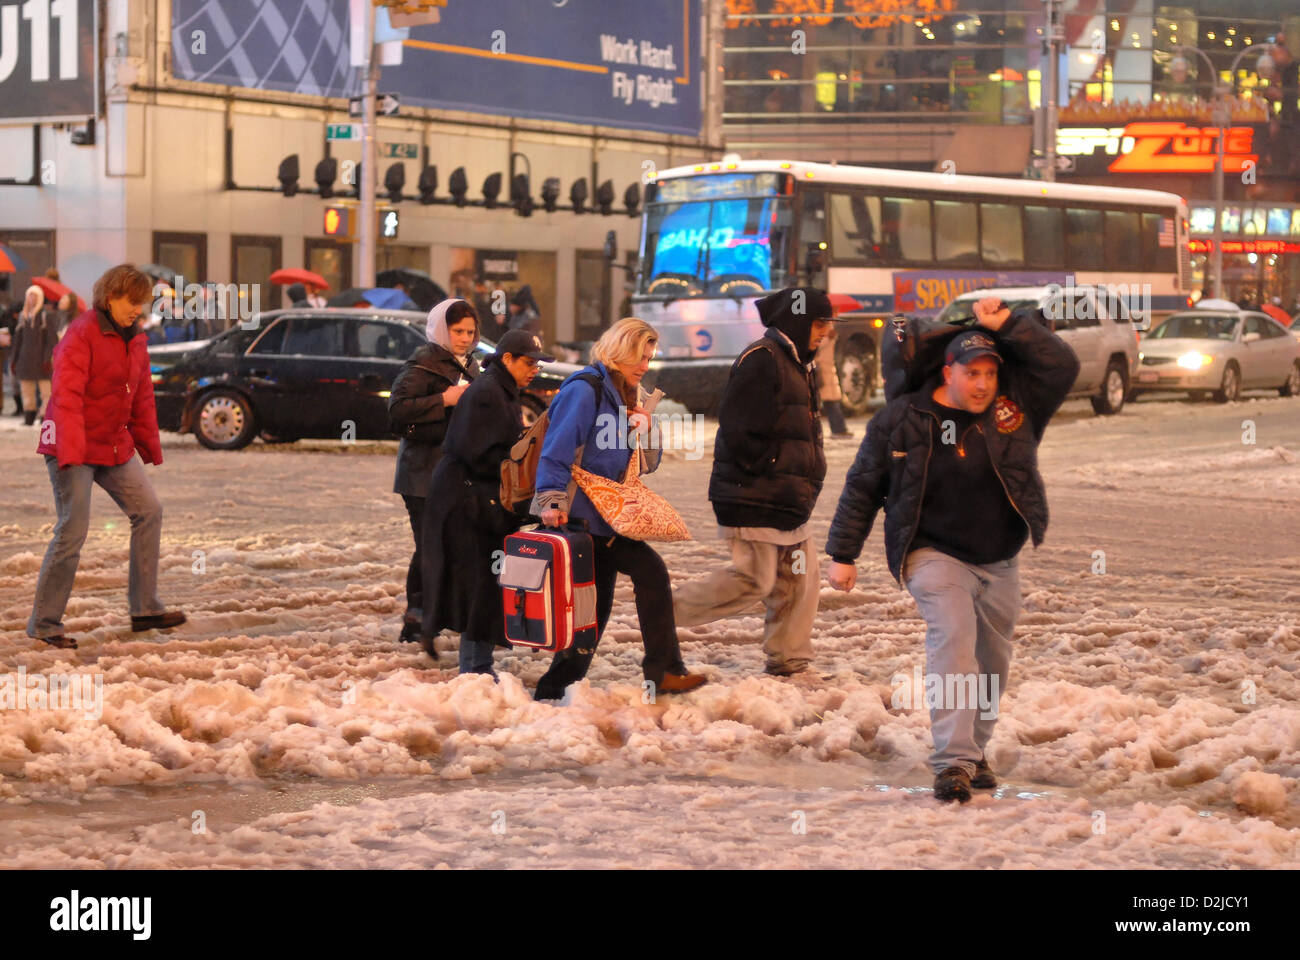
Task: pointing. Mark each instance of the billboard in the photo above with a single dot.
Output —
(581, 61)
(49, 63)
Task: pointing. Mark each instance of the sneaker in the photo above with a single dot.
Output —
(984, 778)
(951, 784)
(157, 621)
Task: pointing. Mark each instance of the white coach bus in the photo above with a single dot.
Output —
(716, 236)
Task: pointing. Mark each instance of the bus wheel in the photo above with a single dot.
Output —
(857, 369)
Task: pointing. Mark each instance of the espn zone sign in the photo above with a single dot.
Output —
(1161, 147)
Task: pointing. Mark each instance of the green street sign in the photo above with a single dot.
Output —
(400, 151)
(342, 131)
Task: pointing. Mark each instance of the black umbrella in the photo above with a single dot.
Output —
(347, 298)
(420, 287)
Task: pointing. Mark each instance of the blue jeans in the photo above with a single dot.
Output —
(131, 490)
(970, 613)
(476, 655)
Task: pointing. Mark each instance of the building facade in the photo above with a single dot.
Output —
(190, 111)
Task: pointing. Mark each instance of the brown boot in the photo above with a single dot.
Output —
(157, 621)
(60, 642)
(681, 682)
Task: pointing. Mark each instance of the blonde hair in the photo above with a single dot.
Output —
(624, 342)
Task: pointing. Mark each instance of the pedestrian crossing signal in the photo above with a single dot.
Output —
(338, 222)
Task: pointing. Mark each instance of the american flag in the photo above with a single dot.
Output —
(1166, 238)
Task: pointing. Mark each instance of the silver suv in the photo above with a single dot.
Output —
(1095, 326)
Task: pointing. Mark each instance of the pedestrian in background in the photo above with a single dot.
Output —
(829, 382)
(580, 416)
(297, 294)
(954, 465)
(423, 398)
(768, 467)
(101, 412)
(34, 338)
(464, 522)
(524, 312)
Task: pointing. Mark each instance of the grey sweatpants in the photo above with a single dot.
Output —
(785, 579)
(131, 490)
(970, 613)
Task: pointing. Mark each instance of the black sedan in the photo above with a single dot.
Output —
(294, 374)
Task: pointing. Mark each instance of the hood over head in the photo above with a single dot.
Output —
(792, 311)
(436, 326)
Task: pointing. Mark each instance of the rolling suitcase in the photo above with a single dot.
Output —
(548, 589)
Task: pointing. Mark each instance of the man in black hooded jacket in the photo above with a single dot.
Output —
(955, 465)
(768, 468)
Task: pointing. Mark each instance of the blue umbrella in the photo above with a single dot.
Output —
(10, 262)
(386, 298)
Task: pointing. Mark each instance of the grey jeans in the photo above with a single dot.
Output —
(970, 613)
(131, 490)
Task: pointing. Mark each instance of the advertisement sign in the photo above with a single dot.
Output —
(1166, 146)
(583, 61)
(49, 64)
(926, 292)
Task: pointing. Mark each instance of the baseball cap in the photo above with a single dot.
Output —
(969, 345)
(522, 343)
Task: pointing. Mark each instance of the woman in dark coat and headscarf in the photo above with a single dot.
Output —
(464, 522)
(423, 398)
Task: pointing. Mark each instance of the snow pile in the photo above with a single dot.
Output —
(1259, 793)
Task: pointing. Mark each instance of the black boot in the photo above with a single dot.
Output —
(953, 783)
(29, 417)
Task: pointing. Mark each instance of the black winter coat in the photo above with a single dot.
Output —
(1037, 372)
(464, 522)
(33, 347)
(768, 463)
(418, 415)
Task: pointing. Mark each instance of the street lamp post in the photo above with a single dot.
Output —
(1222, 118)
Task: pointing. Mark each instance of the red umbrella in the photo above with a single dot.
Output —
(843, 303)
(54, 291)
(288, 275)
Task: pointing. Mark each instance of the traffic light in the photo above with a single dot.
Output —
(428, 184)
(394, 181)
(632, 199)
(578, 195)
(326, 172)
(491, 190)
(288, 175)
(338, 222)
(605, 198)
(550, 193)
(521, 196)
(459, 186)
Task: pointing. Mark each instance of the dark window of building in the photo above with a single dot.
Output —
(1044, 238)
(186, 254)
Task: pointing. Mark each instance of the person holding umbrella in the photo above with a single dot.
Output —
(101, 412)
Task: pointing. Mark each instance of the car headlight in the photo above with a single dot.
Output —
(1195, 360)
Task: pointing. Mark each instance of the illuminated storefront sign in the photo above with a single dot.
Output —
(1160, 147)
(1245, 246)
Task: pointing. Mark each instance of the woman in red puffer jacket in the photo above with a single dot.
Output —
(101, 412)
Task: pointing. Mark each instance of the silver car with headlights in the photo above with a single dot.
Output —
(1219, 352)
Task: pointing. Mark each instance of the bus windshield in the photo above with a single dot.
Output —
(721, 235)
